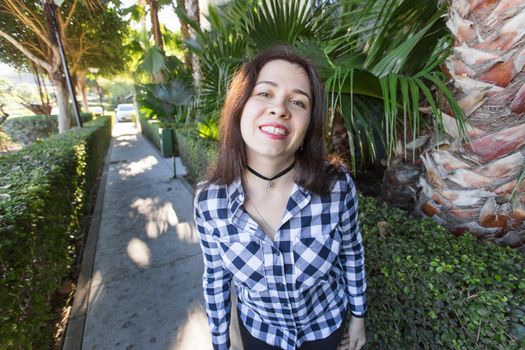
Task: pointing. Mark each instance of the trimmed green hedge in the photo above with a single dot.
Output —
(150, 129)
(163, 139)
(44, 190)
(26, 130)
(430, 290)
(196, 154)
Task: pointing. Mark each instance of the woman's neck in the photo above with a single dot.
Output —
(268, 168)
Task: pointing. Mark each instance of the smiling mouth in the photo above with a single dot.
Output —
(274, 131)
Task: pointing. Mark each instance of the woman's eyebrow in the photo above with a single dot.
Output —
(298, 91)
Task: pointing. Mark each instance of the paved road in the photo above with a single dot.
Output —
(144, 291)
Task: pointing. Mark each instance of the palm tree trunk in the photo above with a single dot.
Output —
(184, 33)
(194, 13)
(478, 186)
(155, 25)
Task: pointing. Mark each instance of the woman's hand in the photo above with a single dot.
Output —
(356, 334)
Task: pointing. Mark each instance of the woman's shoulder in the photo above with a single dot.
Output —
(343, 180)
(209, 194)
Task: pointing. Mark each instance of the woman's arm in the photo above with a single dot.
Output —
(352, 253)
(216, 284)
(353, 261)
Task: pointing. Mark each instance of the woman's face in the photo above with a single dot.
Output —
(277, 113)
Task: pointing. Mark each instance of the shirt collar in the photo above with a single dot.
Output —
(236, 194)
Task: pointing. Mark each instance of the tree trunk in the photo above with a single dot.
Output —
(475, 186)
(44, 98)
(194, 13)
(184, 33)
(51, 62)
(155, 25)
(83, 88)
(64, 115)
(57, 76)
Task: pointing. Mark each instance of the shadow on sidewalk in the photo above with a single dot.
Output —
(146, 285)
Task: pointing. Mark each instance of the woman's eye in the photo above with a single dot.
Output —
(298, 103)
(263, 94)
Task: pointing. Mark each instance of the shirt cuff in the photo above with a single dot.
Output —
(221, 345)
(358, 316)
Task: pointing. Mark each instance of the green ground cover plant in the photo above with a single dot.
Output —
(430, 290)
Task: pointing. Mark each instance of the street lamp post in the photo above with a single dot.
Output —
(53, 6)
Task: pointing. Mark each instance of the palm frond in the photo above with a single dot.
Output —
(392, 52)
(379, 60)
(164, 100)
(153, 61)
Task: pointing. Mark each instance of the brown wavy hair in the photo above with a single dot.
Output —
(314, 170)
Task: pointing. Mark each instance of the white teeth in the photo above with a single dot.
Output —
(272, 130)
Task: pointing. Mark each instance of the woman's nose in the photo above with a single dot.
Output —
(279, 109)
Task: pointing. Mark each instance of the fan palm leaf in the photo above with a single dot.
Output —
(369, 52)
(393, 53)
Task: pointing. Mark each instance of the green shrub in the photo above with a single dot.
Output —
(196, 153)
(430, 290)
(150, 129)
(44, 190)
(26, 130)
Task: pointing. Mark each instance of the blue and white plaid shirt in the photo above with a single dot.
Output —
(290, 290)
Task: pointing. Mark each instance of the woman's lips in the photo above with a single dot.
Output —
(274, 131)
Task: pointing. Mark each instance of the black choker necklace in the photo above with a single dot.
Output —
(270, 179)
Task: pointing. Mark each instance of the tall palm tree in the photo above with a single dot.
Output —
(155, 24)
(154, 58)
(194, 13)
(479, 185)
(184, 32)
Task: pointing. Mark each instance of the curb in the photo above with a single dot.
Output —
(75, 327)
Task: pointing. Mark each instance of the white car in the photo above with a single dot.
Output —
(124, 112)
(96, 110)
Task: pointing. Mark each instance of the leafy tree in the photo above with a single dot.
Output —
(103, 45)
(26, 26)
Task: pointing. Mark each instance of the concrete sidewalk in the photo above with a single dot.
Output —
(140, 284)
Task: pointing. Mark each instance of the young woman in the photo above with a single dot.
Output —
(279, 219)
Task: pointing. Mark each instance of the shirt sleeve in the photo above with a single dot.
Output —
(216, 281)
(352, 253)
